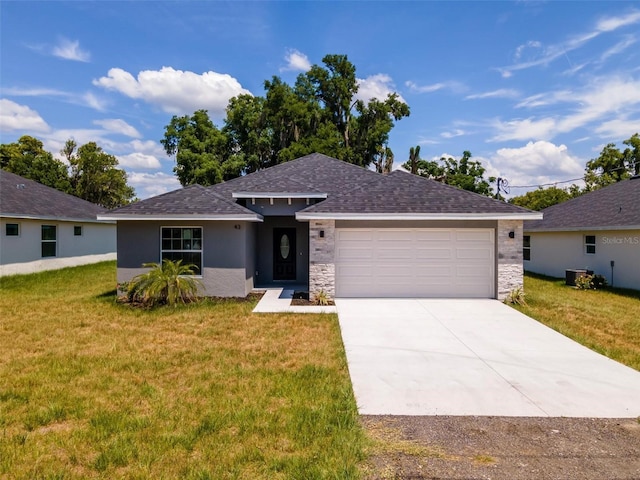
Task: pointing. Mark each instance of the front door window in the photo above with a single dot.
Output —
(284, 254)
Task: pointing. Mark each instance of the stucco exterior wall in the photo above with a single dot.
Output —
(23, 253)
(509, 253)
(264, 265)
(552, 253)
(227, 270)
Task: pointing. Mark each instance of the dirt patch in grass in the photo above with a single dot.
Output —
(502, 448)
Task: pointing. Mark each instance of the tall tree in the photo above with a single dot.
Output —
(28, 158)
(200, 148)
(320, 113)
(612, 165)
(95, 176)
(542, 198)
(632, 154)
(464, 173)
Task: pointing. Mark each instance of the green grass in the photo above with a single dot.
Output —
(607, 321)
(93, 389)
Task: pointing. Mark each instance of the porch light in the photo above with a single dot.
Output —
(512, 234)
(321, 233)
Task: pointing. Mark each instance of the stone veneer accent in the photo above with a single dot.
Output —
(322, 268)
(510, 270)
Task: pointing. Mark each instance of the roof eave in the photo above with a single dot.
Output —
(278, 195)
(186, 217)
(418, 216)
(52, 218)
(586, 228)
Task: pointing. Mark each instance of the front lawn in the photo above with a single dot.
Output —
(607, 321)
(93, 389)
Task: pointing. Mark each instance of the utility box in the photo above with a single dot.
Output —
(571, 275)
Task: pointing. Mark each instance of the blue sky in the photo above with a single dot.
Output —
(533, 89)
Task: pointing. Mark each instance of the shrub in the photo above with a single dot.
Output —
(321, 298)
(168, 283)
(590, 282)
(516, 297)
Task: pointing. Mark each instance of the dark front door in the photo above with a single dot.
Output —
(284, 253)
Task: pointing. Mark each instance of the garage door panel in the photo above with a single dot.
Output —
(415, 263)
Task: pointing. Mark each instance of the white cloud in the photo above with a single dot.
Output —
(139, 160)
(176, 91)
(500, 93)
(536, 163)
(619, 47)
(456, 133)
(14, 116)
(117, 125)
(83, 99)
(70, 50)
(531, 44)
(619, 128)
(150, 184)
(452, 85)
(602, 105)
(296, 61)
(528, 128)
(553, 52)
(376, 86)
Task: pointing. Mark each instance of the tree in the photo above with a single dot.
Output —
(28, 158)
(612, 165)
(95, 176)
(168, 283)
(384, 160)
(542, 198)
(320, 113)
(464, 173)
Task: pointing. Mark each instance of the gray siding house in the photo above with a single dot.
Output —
(330, 226)
(42, 228)
(598, 231)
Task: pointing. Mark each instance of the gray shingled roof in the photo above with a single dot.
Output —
(350, 190)
(193, 200)
(24, 198)
(404, 193)
(617, 205)
(312, 173)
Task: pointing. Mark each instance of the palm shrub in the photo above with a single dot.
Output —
(167, 283)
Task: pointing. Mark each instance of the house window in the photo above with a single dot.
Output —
(526, 247)
(48, 240)
(77, 230)
(12, 230)
(590, 244)
(183, 243)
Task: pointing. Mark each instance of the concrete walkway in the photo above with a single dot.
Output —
(475, 357)
(278, 300)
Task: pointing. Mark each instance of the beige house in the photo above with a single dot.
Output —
(598, 231)
(42, 228)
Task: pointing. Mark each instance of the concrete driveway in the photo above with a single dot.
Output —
(475, 357)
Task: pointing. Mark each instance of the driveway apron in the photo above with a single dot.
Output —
(475, 357)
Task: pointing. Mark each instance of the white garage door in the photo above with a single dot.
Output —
(413, 262)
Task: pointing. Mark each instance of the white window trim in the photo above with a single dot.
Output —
(200, 271)
(13, 223)
(526, 248)
(55, 242)
(595, 241)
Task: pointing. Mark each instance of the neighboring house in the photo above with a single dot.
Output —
(327, 225)
(598, 231)
(44, 229)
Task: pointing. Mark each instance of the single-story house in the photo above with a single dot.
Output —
(329, 226)
(598, 231)
(44, 229)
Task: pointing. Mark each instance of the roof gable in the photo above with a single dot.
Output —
(617, 205)
(24, 198)
(191, 201)
(405, 193)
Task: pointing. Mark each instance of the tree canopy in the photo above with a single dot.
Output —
(319, 113)
(464, 173)
(545, 197)
(91, 174)
(613, 165)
